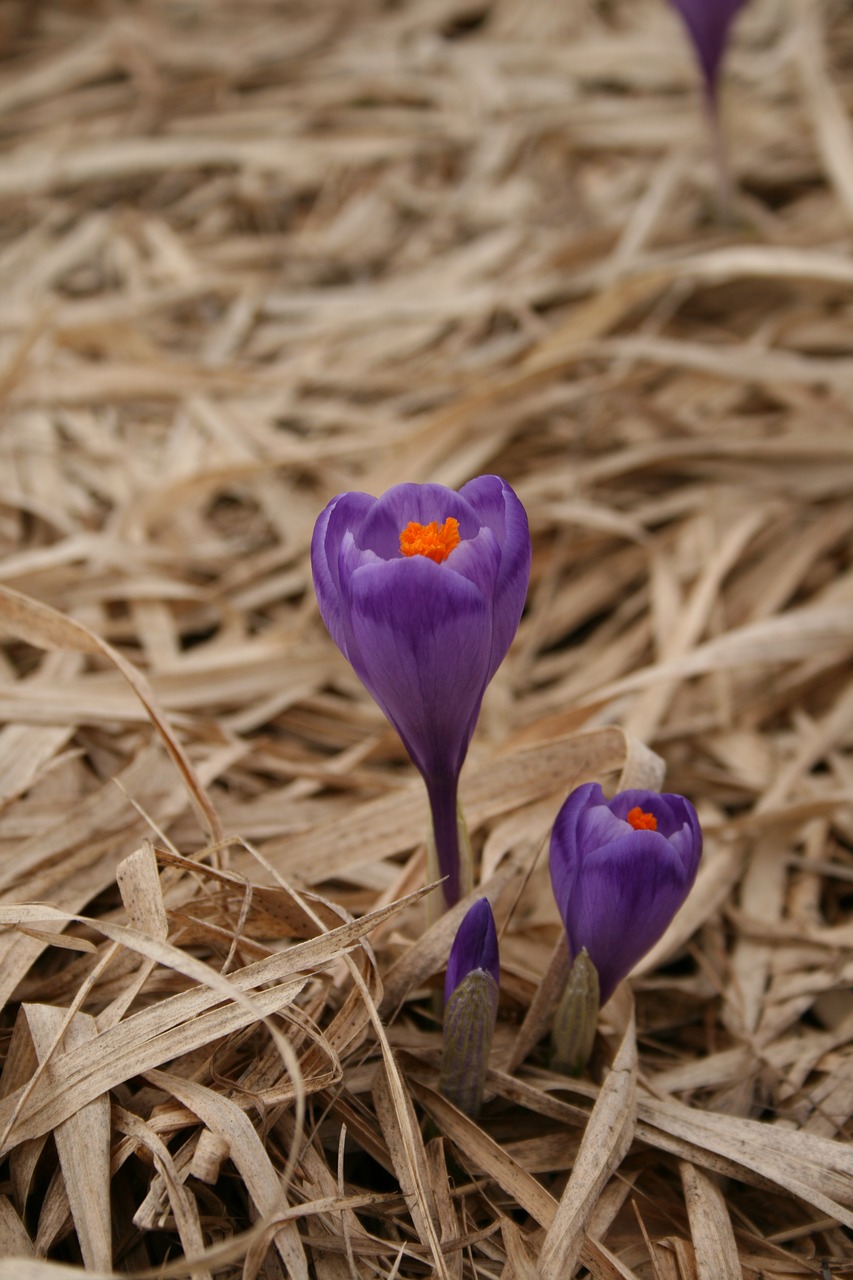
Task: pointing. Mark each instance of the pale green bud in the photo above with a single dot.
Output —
(469, 1023)
(575, 1021)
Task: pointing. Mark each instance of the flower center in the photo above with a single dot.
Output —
(641, 821)
(431, 540)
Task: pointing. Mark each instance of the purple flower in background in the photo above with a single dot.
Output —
(620, 870)
(422, 591)
(708, 23)
(471, 995)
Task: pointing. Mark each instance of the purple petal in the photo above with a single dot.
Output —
(565, 855)
(478, 559)
(627, 894)
(421, 639)
(598, 825)
(708, 23)
(500, 510)
(670, 812)
(343, 514)
(474, 947)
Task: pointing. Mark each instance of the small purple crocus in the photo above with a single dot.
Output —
(422, 591)
(620, 869)
(708, 23)
(474, 947)
(471, 1005)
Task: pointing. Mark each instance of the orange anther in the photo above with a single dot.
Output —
(430, 540)
(641, 821)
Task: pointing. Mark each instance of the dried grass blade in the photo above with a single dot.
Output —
(602, 1264)
(605, 1143)
(447, 1217)
(828, 108)
(175, 1025)
(391, 825)
(46, 628)
(14, 1238)
(38, 1269)
(225, 1118)
(138, 881)
(788, 637)
(83, 1139)
(184, 1207)
(710, 1226)
(396, 1118)
(487, 1155)
(540, 1012)
(812, 1169)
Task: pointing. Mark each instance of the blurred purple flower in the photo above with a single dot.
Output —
(471, 991)
(708, 23)
(620, 870)
(422, 590)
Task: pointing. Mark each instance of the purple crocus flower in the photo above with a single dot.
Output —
(621, 868)
(422, 590)
(471, 1006)
(708, 23)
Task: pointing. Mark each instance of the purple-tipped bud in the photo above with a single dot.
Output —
(471, 994)
(708, 23)
(474, 947)
(620, 870)
(422, 591)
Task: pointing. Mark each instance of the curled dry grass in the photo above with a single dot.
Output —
(251, 255)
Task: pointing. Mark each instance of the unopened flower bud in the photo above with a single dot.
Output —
(471, 994)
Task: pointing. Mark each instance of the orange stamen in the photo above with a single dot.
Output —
(641, 821)
(430, 540)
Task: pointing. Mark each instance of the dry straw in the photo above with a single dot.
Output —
(254, 254)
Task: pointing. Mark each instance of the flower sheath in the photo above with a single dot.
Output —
(620, 870)
(422, 591)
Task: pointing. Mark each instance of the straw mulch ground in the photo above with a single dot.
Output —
(255, 253)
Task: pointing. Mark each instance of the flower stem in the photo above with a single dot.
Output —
(725, 184)
(450, 848)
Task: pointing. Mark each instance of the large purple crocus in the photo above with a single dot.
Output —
(621, 868)
(422, 590)
(708, 23)
(471, 991)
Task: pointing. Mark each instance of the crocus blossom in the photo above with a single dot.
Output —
(422, 591)
(471, 1006)
(620, 869)
(708, 23)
